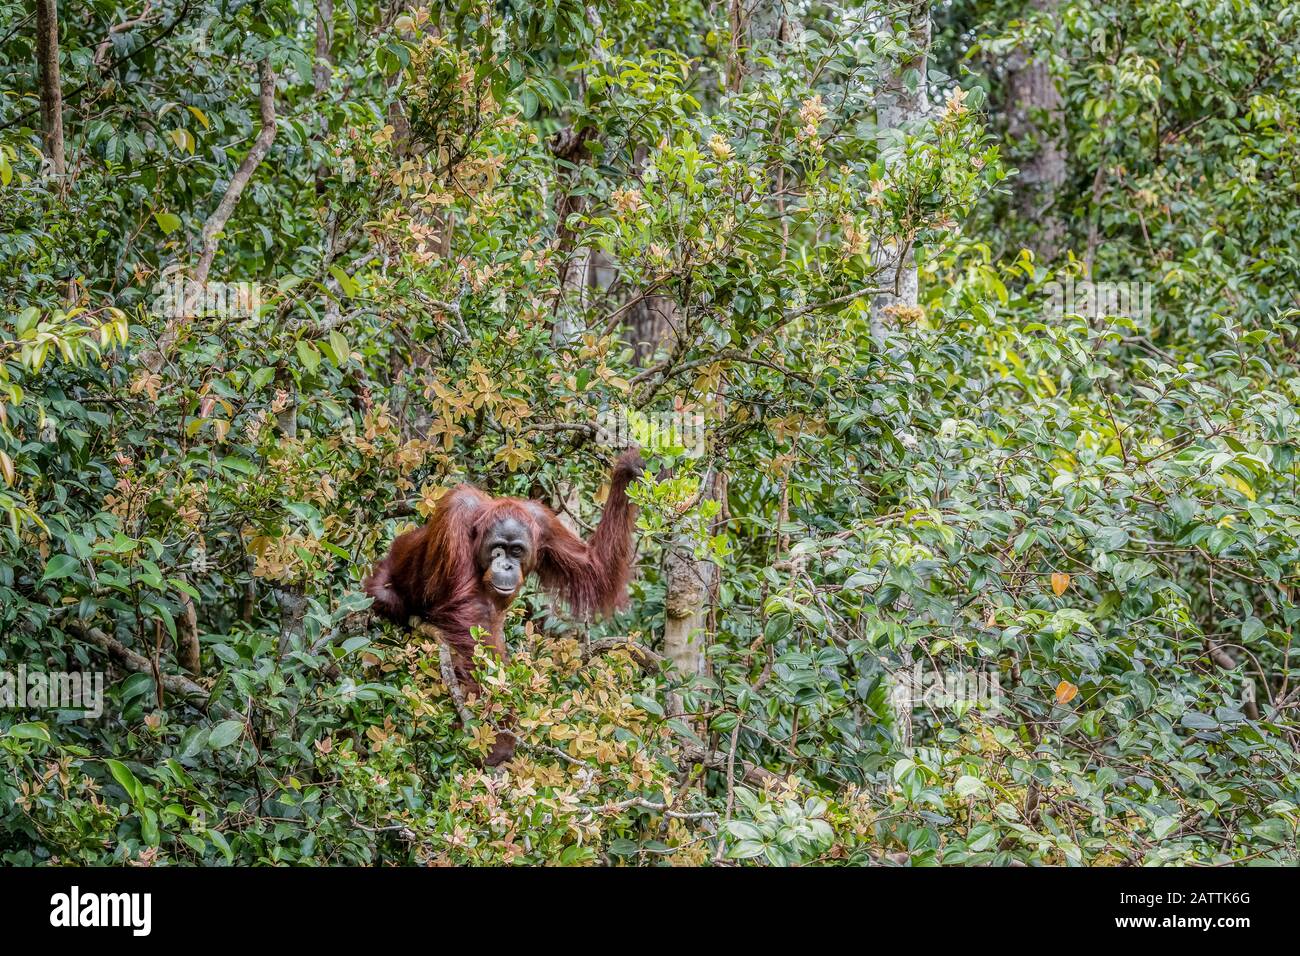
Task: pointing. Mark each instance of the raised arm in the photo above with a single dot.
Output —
(591, 577)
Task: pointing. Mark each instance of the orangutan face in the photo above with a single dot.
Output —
(505, 555)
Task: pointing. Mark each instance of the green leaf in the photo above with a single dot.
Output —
(225, 733)
(308, 354)
(29, 732)
(724, 722)
(1199, 721)
(744, 831)
(528, 104)
(745, 850)
(219, 841)
(345, 281)
(621, 847)
(1163, 827)
(648, 704)
(123, 775)
(339, 345)
(167, 222)
(240, 465)
(60, 566)
(135, 686)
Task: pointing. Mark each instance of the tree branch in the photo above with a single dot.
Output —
(646, 659)
(717, 760)
(106, 44)
(261, 146)
(174, 683)
(153, 359)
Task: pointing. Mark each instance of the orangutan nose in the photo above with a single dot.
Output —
(505, 575)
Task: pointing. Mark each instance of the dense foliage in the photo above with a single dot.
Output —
(1096, 512)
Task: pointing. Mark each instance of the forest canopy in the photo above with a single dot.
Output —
(959, 340)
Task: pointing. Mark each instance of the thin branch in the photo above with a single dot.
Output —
(75, 93)
(447, 667)
(648, 660)
(106, 44)
(261, 146)
(645, 804)
(154, 358)
(717, 760)
(174, 683)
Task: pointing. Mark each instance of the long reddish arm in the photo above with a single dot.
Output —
(591, 577)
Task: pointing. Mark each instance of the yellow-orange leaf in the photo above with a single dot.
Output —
(1066, 692)
(1060, 581)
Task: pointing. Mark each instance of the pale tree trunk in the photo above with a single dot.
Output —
(752, 24)
(1034, 120)
(187, 633)
(651, 321)
(691, 582)
(321, 69)
(47, 60)
(897, 108)
(575, 286)
(576, 269)
(570, 145)
(770, 20)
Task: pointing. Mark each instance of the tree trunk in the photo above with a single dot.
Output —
(187, 634)
(47, 59)
(320, 71)
(153, 359)
(575, 280)
(897, 107)
(321, 68)
(576, 269)
(652, 319)
(651, 323)
(691, 582)
(1035, 123)
(689, 587)
(750, 25)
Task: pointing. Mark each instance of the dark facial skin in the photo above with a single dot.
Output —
(505, 556)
